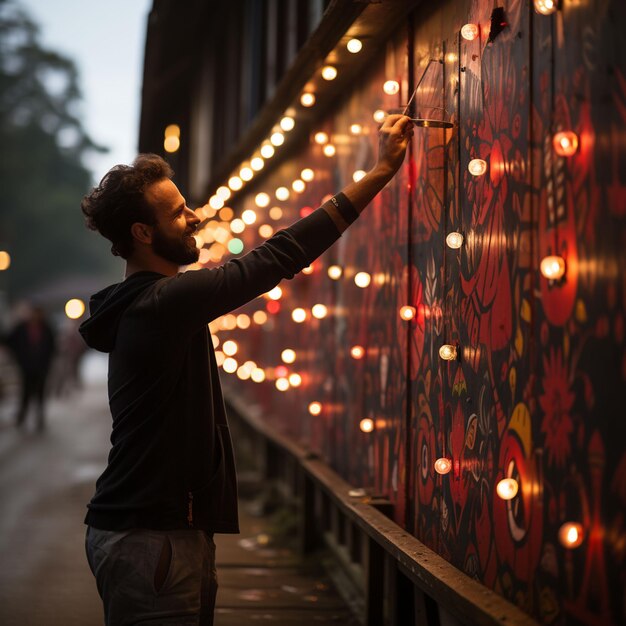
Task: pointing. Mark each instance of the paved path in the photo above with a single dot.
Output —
(45, 481)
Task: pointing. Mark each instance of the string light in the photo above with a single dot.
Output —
(315, 408)
(230, 348)
(259, 317)
(552, 267)
(5, 260)
(243, 373)
(248, 216)
(243, 321)
(448, 352)
(329, 150)
(265, 230)
(267, 151)
(477, 167)
(362, 279)
(276, 213)
(235, 183)
(335, 272)
(298, 185)
(470, 32)
(237, 226)
(226, 214)
(307, 99)
(379, 116)
(74, 308)
(357, 352)
(358, 175)
(454, 240)
(223, 193)
(216, 203)
(172, 130)
(354, 45)
(391, 87)
(277, 138)
(246, 173)
(262, 199)
(319, 311)
(329, 72)
(356, 129)
(295, 380)
(258, 375)
(443, 465)
(571, 534)
(257, 163)
(282, 194)
(282, 384)
(219, 358)
(275, 294)
(171, 143)
(308, 269)
(307, 174)
(230, 365)
(565, 143)
(366, 425)
(235, 246)
(298, 315)
(287, 123)
(288, 355)
(545, 7)
(407, 312)
(507, 488)
(321, 137)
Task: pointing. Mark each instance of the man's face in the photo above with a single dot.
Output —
(175, 223)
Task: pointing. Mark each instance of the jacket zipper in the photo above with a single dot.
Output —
(190, 509)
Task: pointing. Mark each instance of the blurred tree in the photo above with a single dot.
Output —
(42, 177)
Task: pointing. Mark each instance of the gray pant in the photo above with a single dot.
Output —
(156, 577)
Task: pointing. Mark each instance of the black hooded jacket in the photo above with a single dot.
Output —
(171, 464)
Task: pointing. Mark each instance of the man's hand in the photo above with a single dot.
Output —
(393, 138)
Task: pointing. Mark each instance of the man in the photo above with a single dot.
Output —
(170, 482)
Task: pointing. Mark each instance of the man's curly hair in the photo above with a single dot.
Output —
(118, 201)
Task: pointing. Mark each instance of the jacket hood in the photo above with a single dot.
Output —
(107, 307)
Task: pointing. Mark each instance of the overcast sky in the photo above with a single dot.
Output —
(105, 38)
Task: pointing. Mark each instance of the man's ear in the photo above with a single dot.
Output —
(141, 232)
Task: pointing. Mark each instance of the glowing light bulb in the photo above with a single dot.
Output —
(307, 99)
(173, 130)
(354, 45)
(552, 267)
(235, 246)
(282, 384)
(565, 143)
(335, 272)
(298, 315)
(257, 163)
(477, 167)
(276, 213)
(545, 7)
(407, 312)
(362, 279)
(275, 294)
(243, 321)
(308, 270)
(287, 123)
(298, 185)
(246, 173)
(259, 317)
(230, 347)
(315, 408)
(357, 352)
(277, 139)
(366, 425)
(5, 260)
(267, 151)
(230, 365)
(329, 72)
(243, 373)
(321, 137)
(356, 129)
(307, 174)
(226, 214)
(470, 31)
(262, 199)
(329, 150)
(258, 375)
(454, 240)
(282, 193)
(219, 358)
(507, 488)
(237, 226)
(235, 183)
(223, 193)
(391, 87)
(288, 355)
(356, 177)
(571, 534)
(265, 230)
(216, 203)
(319, 311)
(379, 116)
(74, 308)
(443, 465)
(248, 216)
(448, 352)
(171, 143)
(295, 380)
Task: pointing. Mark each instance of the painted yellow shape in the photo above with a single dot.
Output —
(581, 312)
(520, 424)
(519, 342)
(525, 311)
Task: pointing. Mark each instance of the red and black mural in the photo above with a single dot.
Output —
(536, 393)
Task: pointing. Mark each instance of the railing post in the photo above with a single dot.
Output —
(374, 578)
(308, 530)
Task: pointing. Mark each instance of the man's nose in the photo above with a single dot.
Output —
(192, 217)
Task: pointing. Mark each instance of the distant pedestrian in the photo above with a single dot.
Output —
(32, 343)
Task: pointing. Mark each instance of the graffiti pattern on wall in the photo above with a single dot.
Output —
(535, 393)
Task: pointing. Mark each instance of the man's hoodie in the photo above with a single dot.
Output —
(171, 464)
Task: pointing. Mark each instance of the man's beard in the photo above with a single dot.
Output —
(181, 251)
